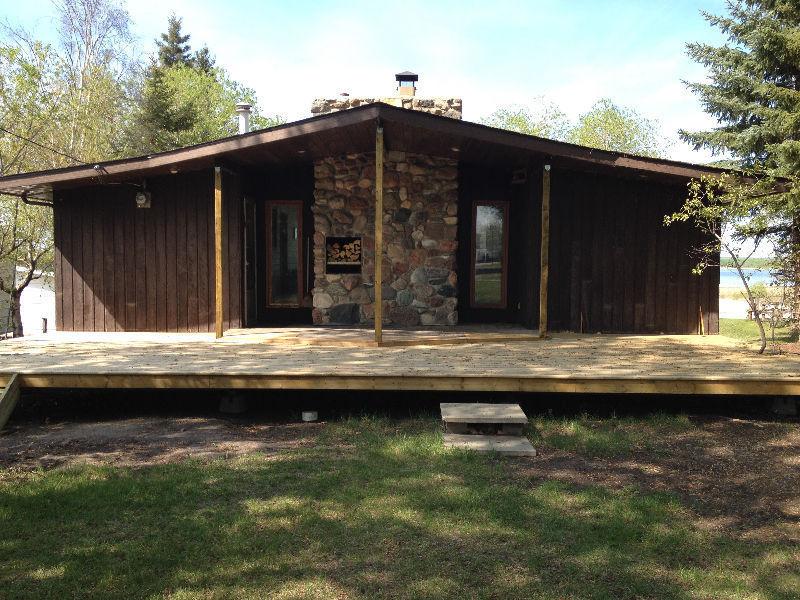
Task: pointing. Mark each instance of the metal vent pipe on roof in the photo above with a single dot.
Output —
(244, 110)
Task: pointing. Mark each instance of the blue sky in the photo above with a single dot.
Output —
(488, 53)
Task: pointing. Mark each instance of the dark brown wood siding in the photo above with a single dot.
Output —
(478, 183)
(614, 266)
(122, 268)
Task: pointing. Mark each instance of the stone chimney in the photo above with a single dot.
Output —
(405, 97)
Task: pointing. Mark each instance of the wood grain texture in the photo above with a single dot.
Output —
(632, 273)
(700, 387)
(544, 252)
(9, 396)
(219, 316)
(378, 276)
(316, 358)
(122, 268)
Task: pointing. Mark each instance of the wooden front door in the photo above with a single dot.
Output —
(284, 253)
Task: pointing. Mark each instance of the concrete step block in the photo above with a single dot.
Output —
(503, 444)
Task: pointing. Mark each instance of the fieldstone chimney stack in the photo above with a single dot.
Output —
(405, 97)
(244, 110)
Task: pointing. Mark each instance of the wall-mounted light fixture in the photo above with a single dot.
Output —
(143, 199)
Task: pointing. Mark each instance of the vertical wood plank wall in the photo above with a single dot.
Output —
(122, 268)
(614, 267)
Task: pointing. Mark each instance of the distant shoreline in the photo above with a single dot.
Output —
(751, 263)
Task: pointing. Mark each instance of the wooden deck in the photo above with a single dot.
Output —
(460, 360)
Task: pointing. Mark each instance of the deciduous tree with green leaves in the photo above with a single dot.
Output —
(58, 105)
(29, 98)
(542, 118)
(606, 126)
(609, 126)
(717, 205)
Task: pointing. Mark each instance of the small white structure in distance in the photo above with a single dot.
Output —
(38, 302)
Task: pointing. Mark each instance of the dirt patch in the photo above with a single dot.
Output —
(145, 441)
(790, 348)
(740, 476)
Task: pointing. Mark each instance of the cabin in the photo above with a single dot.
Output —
(377, 213)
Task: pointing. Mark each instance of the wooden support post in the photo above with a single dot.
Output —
(545, 252)
(8, 399)
(378, 272)
(218, 314)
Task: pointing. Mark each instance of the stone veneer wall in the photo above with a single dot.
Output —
(419, 235)
(449, 107)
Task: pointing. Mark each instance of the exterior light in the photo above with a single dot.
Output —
(143, 199)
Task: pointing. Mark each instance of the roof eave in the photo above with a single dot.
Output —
(209, 153)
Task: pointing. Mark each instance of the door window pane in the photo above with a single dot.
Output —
(284, 255)
(490, 260)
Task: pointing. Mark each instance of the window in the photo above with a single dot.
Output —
(489, 257)
(284, 252)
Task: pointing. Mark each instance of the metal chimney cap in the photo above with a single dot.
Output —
(243, 107)
(406, 76)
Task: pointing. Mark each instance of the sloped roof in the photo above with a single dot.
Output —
(351, 131)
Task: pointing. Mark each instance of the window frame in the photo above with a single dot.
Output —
(298, 206)
(504, 205)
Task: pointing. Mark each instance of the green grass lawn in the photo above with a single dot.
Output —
(746, 330)
(488, 288)
(374, 509)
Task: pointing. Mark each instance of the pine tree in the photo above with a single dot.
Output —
(160, 118)
(203, 61)
(754, 92)
(173, 47)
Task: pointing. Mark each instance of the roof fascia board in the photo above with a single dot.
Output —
(211, 150)
(553, 148)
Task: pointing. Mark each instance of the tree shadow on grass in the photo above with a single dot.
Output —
(373, 511)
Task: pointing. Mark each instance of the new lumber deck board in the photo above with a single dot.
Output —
(481, 412)
(295, 358)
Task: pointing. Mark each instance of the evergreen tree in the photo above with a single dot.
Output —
(754, 92)
(173, 47)
(161, 118)
(203, 61)
(185, 99)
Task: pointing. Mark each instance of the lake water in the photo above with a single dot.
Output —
(729, 277)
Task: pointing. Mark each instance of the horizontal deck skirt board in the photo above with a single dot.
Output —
(411, 342)
(754, 387)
